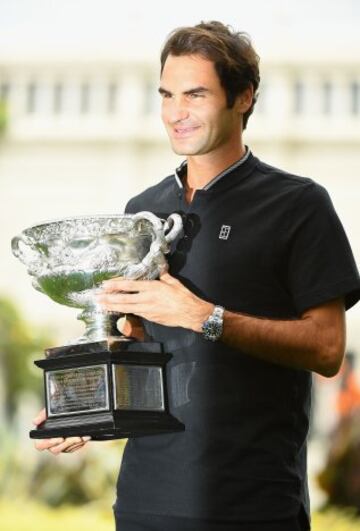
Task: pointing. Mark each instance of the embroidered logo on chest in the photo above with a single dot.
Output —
(224, 232)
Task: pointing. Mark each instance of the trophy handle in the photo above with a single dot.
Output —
(174, 225)
(23, 250)
(154, 262)
(16, 244)
(154, 220)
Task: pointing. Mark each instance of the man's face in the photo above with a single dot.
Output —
(194, 109)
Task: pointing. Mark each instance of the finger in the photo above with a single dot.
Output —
(137, 309)
(168, 279)
(132, 327)
(46, 444)
(41, 416)
(127, 329)
(165, 275)
(133, 320)
(68, 443)
(126, 285)
(75, 448)
(71, 447)
(122, 298)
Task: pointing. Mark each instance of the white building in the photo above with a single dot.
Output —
(83, 134)
(82, 137)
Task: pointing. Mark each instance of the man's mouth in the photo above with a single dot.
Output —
(184, 131)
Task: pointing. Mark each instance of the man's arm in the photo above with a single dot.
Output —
(314, 342)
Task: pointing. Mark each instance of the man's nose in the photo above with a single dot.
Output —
(177, 111)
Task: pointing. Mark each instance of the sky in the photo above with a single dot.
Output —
(137, 29)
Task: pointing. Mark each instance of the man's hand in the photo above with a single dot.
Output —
(165, 301)
(58, 445)
(132, 327)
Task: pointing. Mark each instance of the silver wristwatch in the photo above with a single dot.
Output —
(212, 328)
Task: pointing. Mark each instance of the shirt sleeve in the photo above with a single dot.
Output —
(130, 207)
(321, 264)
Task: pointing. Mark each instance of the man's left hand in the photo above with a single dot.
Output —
(165, 301)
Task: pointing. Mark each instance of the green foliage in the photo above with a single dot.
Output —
(3, 116)
(19, 346)
(88, 475)
(78, 479)
(335, 520)
(29, 516)
(340, 478)
(68, 479)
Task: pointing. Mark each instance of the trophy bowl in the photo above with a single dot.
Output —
(68, 259)
(102, 384)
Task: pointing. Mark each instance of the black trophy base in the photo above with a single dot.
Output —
(105, 429)
(106, 390)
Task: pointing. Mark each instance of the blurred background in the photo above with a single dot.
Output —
(80, 133)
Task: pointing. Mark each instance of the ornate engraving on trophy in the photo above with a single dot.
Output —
(102, 384)
(69, 259)
(138, 388)
(77, 390)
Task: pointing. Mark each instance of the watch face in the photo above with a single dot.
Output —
(212, 329)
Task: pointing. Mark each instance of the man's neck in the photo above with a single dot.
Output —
(201, 169)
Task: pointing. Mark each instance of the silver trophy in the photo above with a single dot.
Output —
(101, 384)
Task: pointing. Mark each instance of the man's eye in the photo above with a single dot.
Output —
(195, 95)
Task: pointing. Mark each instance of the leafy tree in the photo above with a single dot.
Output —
(19, 345)
(3, 116)
(86, 476)
(340, 478)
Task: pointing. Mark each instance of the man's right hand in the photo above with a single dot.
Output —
(59, 444)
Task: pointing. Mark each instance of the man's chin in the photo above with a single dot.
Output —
(185, 151)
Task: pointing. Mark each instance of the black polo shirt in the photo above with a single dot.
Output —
(263, 242)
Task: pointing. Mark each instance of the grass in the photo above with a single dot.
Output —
(335, 520)
(27, 515)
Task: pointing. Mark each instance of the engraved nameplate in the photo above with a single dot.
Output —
(138, 388)
(77, 390)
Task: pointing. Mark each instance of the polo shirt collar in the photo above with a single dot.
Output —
(180, 172)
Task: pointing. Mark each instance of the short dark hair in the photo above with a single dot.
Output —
(234, 58)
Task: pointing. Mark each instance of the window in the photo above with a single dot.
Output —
(58, 96)
(31, 97)
(4, 91)
(85, 98)
(355, 97)
(299, 97)
(112, 92)
(150, 94)
(260, 105)
(327, 96)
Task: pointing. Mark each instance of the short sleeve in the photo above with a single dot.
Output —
(321, 264)
(130, 207)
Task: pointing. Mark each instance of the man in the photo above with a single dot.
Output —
(253, 303)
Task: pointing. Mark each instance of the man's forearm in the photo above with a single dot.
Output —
(315, 342)
(307, 343)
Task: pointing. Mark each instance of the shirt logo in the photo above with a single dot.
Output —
(224, 232)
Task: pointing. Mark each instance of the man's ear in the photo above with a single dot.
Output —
(244, 100)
